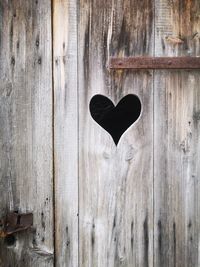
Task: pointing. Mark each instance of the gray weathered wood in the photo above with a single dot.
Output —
(65, 132)
(26, 128)
(177, 138)
(134, 205)
(115, 183)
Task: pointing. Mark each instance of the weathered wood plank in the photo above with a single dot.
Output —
(26, 128)
(177, 143)
(66, 132)
(115, 183)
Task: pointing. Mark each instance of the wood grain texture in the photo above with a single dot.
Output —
(26, 128)
(115, 183)
(65, 132)
(177, 143)
(131, 205)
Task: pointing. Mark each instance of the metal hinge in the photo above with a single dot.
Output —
(15, 222)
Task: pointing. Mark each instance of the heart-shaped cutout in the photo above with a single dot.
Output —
(115, 119)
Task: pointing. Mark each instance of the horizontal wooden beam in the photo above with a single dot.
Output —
(154, 63)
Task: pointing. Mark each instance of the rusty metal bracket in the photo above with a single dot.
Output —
(15, 222)
(154, 63)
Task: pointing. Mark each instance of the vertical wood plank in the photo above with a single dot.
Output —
(177, 143)
(26, 128)
(65, 129)
(115, 183)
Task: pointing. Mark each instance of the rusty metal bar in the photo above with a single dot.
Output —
(15, 222)
(154, 63)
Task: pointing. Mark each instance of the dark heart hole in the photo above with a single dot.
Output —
(115, 119)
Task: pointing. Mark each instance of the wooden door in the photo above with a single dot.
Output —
(95, 203)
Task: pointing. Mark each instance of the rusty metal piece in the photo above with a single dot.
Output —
(154, 63)
(15, 222)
